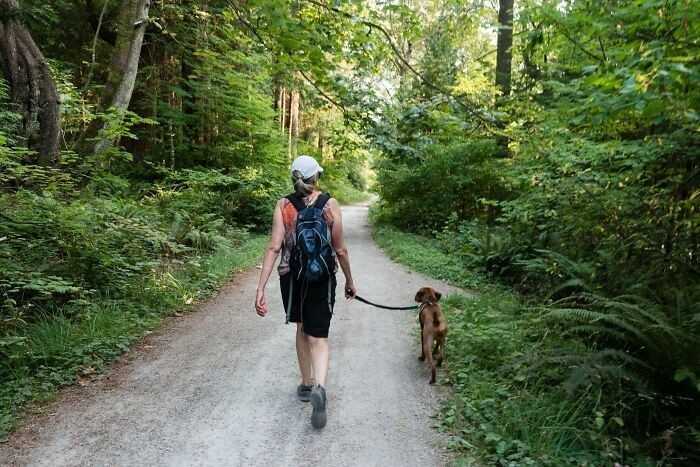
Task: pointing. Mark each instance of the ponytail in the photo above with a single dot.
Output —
(303, 187)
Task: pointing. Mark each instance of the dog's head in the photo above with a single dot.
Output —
(428, 295)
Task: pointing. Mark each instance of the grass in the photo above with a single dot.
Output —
(508, 406)
(344, 192)
(65, 345)
(424, 255)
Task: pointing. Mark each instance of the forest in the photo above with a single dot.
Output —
(551, 148)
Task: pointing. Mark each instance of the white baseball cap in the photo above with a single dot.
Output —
(307, 166)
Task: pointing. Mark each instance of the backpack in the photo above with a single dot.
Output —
(312, 258)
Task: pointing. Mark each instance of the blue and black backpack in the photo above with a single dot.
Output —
(313, 259)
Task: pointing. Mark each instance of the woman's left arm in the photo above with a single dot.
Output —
(341, 251)
(271, 253)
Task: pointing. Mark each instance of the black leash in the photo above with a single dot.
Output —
(364, 300)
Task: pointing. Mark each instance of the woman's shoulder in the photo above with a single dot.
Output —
(332, 203)
(289, 212)
(331, 209)
(284, 203)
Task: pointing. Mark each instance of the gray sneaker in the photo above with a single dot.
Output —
(318, 401)
(304, 392)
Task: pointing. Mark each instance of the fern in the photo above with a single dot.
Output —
(595, 331)
(566, 315)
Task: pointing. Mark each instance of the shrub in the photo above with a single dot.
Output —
(457, 179)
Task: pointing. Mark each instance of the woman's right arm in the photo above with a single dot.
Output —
(271, 253)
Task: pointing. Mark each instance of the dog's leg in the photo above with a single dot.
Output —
(440, 347)
(427, 351)
(422, 349)
(436, 349)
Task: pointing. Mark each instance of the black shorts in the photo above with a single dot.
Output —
(312, 304)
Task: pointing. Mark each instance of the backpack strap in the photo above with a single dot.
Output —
(321, 200)
(296, 202)
(299, 205)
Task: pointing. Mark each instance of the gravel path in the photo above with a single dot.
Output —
(217, 387)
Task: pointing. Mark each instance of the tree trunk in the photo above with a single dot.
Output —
(283, 108)
(504, 46)
(132, 22)
(31, 85)
(294, 113)
(321, 145)
(289, 139)
(294, 100)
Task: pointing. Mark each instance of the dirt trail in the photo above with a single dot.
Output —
(217, 387)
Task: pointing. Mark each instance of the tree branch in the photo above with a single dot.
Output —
(321, 92)
(107, 35)
(470, 108)
(576, 43)
(246, 23)
(602, 49)
(484, 55)
(581, 47)
(254, 31)
(98, 29)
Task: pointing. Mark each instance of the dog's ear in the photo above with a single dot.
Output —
(419, 295)
(438, 296)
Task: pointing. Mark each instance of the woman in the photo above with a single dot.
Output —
(311, 310)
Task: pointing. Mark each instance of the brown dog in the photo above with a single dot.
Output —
(433, 328)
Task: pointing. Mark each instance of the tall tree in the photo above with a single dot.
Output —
(504, 46)
(131, 27)
(31, 84)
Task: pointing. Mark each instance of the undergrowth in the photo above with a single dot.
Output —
(424, 255)
(345, 193)
(510, 404)
(78, 340)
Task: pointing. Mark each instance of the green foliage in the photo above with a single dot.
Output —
(584, 196)
(96, 248)
(444, 179)
(245, 199)
(424, 255)
(509, 405)
(92, 244)
(228, 93)
(73, 341)
(341, 151)
(345, 193)
(505, 410)
(580, 189)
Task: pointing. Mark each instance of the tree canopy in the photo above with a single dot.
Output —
(553, 146)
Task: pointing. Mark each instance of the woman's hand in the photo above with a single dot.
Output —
(260, 303)
(350, 290)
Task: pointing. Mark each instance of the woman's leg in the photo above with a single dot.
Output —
(319, 358)
(318, 313)
(304, 357)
